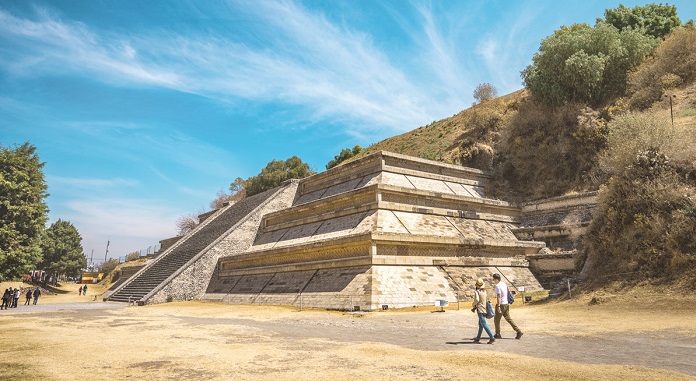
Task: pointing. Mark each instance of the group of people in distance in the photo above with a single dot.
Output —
(82, 290)
(502, 309)
(12, 295)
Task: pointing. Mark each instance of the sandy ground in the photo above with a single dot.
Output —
(68, 337)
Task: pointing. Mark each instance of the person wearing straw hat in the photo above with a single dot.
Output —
(479, 306)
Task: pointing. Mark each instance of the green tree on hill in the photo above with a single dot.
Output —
(655, 20)
(23, 211)
(345, 154)
(275, 173)
(62, 250)
(586, 64)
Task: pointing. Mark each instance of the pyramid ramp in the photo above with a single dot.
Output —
(183, 271)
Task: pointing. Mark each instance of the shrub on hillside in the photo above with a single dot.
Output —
(586, 64)
(546, 152)
(644, 223)
(672, 64)
(646, 220)
(634, 132)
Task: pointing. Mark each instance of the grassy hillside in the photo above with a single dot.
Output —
(535, 151)
(638, 150)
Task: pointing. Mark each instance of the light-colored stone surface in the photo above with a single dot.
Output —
(397, 180)
(408, 231)
(424, 224)
(192, 280)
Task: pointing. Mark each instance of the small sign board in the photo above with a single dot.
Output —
(441, 303)
(520, 289)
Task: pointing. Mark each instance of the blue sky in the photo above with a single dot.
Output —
(143, 110)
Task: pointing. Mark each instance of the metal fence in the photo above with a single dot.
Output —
(150, 250)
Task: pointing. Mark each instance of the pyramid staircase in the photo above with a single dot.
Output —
(157, 272)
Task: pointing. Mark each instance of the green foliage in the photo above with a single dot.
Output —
(62, 250)
(23, 211)
(655, 20)
(275, 173)
(673, 64)
(345, 154)
(586, 64)
(484, 92)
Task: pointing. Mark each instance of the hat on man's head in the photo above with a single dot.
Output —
(496, 276)
(479, 283)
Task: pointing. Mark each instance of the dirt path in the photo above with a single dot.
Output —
(198, 340)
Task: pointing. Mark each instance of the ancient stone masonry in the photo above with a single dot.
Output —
(183, 271)
(561, 223)
(384, 231)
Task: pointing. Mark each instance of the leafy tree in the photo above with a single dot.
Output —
(587, 64)
(655, 20)
(484, 92)
(238, 189)
(345, 154)
(23, 211)
(62, 250)
(275, 173)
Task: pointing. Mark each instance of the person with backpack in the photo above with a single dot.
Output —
(502, 307)
(37, 293)
(480, 307)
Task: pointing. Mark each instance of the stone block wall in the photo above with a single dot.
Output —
(191, 281)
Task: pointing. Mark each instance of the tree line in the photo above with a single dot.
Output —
(25, 242)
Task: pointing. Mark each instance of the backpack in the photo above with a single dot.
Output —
(490, 311)
(510, 298)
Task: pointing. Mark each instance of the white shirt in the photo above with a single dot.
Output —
(502, 290)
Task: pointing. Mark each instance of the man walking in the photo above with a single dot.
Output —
(28, 297)
(37, 293)
(502, 307)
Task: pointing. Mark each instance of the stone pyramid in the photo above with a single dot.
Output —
(383, 231)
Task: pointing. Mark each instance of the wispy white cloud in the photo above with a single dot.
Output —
(505, 47)
(93, 183)
(129, 223)
(307, 60)
(50, 44)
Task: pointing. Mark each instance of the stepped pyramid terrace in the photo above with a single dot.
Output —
(384, 231)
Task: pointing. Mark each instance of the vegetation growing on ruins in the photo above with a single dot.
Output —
(586, 64)
(275, 173)
(655, 20)
(345, 154)
(610, 131)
